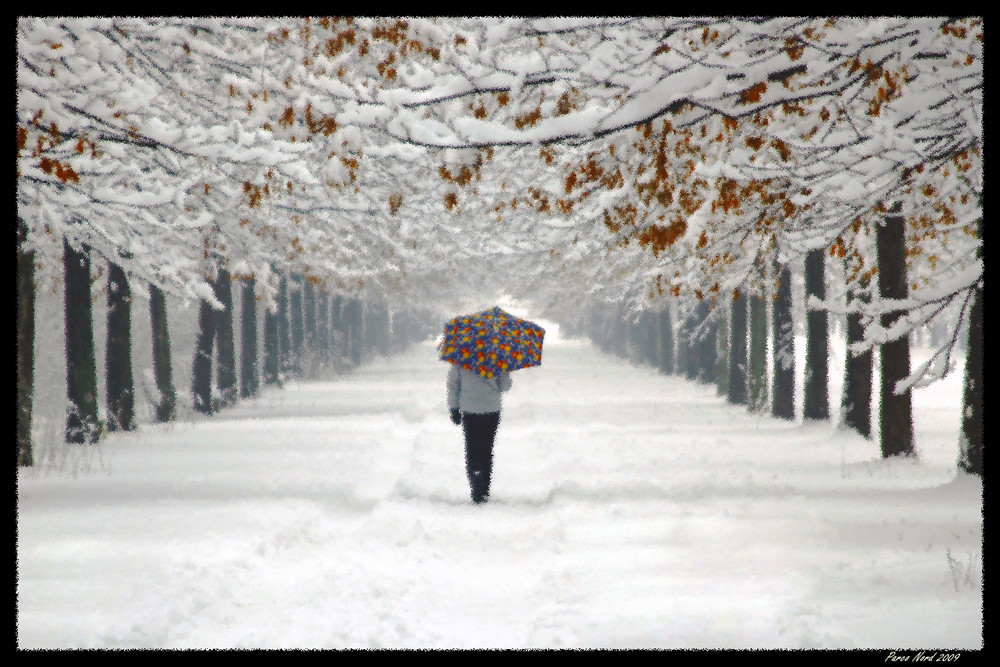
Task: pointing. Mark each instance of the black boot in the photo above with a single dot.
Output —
(479, 485)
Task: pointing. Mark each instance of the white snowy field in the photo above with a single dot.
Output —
(629, 510)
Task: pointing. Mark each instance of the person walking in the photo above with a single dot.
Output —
(474, 402)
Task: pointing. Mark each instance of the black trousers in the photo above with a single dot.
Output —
(480, 432)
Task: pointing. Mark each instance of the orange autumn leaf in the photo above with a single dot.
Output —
(753, 93)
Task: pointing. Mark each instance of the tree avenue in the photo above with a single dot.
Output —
(648, 162)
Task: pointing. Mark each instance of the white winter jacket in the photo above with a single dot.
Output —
(469, 392)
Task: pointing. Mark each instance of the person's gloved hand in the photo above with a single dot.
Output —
(456, 416)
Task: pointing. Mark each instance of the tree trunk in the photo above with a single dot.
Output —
(682, 352)
(971, 446)
(401, 331)
(634, 335)
(651, 336)
(706, 347)
(738, 352)
(118, 353)
(722, 353)
(82, 423)
(166, 409)
(687, 347)
(201, 377)
(597, 326)
(272, 349)
(783, 405)
(816, 396)
(382, 340)
(25, 345)
(322, 341)
(856, 411)
(609, 318)
(692, 361)
(296, 321)
(757, 375)
(249, 376)
(355, 329)
(373, 327)
(614, 329)
(368, 329)
(309, 315)
(338, 324)
(225, 340)
(666, 327)
(896, 414)
(622, 338)
(284, 337)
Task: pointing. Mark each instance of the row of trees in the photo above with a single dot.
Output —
(575, 161)
(748, 353)
(310, 328)
(803, 147)
(140, 153)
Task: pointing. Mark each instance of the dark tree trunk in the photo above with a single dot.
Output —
(692, 361)
(323, 334)
(707, 366)
(401, 332)
(118, 353)
(284, 336)
(338, 324)
(634, 329)
(816, 399)
(642, 338)
(166, 409)
(971, 446)
(738, 352)
(722, 353)
(652, 339)
(682, 352)
(603, 330)
(382, 329)
(225, 340)
(296, 322)
(82, 423)
(309, 314)
(25, 345)
(249, 376)
(856, 405)
(373, 328)
(606, 330)
(272, 349)
(615, 332)
(355, 329)
(896, 414)
(783, 405)
(201, 377)
(666, 327)
(687, 347)
(757, 374)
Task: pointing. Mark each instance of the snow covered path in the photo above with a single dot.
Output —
(629, 510)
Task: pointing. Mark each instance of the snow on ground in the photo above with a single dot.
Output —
(630, 510)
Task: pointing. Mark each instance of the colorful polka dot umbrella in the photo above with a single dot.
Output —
(492, 341)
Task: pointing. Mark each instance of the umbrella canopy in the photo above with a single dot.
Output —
(492, 341)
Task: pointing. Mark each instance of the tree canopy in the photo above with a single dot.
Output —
(570, 159)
